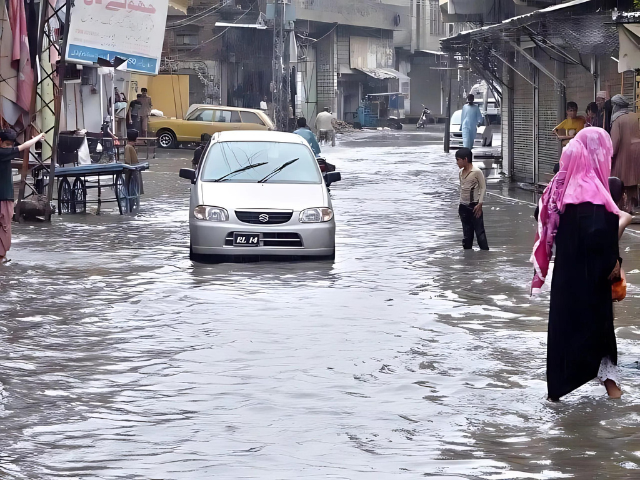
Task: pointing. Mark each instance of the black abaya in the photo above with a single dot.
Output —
(581, 315)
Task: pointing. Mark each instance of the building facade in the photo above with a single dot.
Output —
(539, 62)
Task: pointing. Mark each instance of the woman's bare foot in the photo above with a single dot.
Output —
(612, 389)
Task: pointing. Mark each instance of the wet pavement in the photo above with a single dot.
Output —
(403, 358)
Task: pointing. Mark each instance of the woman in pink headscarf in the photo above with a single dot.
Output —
(578, 214)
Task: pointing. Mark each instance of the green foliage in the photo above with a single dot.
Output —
(636, 4)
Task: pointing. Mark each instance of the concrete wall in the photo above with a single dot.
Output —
(426, 85)
(364, 13)
(170, 93)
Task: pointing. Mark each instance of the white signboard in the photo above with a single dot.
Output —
(128, 29)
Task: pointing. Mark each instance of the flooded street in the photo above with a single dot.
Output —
(405, 357)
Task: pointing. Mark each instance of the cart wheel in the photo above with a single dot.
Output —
(64, 196)
(134, 192)
(121, 194)
(79, 197)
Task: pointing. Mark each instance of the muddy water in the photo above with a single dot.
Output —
(406, 357)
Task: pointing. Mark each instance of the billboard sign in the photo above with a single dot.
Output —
(128, 29)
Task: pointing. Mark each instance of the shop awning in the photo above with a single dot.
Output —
(178, 7)
(515, 22)
(629, 35)
(382, 73)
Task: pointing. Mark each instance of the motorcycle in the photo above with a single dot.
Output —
(326, 167)
(422, 122)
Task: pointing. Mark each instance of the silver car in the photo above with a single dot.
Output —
(260, 193)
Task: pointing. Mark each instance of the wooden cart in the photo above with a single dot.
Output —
(125, 180)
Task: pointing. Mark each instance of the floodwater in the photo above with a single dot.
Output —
(404, 358)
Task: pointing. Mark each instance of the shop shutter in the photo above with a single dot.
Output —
(506, 114)
(548, 143)
(522, 126)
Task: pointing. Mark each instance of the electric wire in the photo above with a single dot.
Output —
(216, 36)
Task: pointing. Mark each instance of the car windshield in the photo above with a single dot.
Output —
(456, 118)
(251, 162)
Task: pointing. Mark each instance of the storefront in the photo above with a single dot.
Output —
(540, 62)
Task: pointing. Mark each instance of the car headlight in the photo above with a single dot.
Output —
(213, 214)
(316, 215)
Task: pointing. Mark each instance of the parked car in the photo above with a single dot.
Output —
(260, 194)
(482, 139)
(206, 119)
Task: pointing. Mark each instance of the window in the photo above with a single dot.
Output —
(235, 117)
(222, 116)
(435, 18)
(187, 39)
(201, 116)
(224, 159)
(250, 117)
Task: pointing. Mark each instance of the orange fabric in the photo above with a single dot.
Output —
(619, 288)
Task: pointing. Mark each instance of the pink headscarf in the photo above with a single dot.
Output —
(585, 167)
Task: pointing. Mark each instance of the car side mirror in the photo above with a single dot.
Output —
(188, 173)
(332, 177)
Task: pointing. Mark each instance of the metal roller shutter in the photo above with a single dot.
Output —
(506, 114)
(548, 143)
(522, 126)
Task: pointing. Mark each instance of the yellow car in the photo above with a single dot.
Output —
(206, 119)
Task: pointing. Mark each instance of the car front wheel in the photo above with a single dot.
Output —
(166, 139)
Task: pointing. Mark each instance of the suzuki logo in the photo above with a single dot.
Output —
(264, 218)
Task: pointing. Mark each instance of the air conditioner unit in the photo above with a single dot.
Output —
(72, 73)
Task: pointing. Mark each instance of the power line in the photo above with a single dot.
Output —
(219, 35)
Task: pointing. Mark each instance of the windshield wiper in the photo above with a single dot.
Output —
(240, 170)
(278, 170)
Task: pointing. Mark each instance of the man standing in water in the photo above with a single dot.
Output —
(324, 126)
(145, 111)
(471, 118)
(472, 191)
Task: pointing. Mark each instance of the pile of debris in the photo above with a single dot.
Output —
(343, 127)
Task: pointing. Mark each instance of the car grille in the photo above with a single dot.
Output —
(258, 218)
(457, 135)
(272, 239)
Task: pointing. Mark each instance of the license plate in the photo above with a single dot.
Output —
(246, 240)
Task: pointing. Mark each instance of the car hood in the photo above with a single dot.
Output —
(274, 196)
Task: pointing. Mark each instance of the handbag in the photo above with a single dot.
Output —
(619, 288)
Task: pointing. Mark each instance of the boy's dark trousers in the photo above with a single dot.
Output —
(472, 224)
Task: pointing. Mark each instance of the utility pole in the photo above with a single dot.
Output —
(281, 71)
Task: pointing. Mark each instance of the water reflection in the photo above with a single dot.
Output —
(404, 356)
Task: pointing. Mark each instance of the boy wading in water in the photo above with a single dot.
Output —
(472, 192)
(8, 152)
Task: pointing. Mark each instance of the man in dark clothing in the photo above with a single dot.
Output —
(205, 138)
(134, 113)
(145, 111)
(8, 151)
(605, 110)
